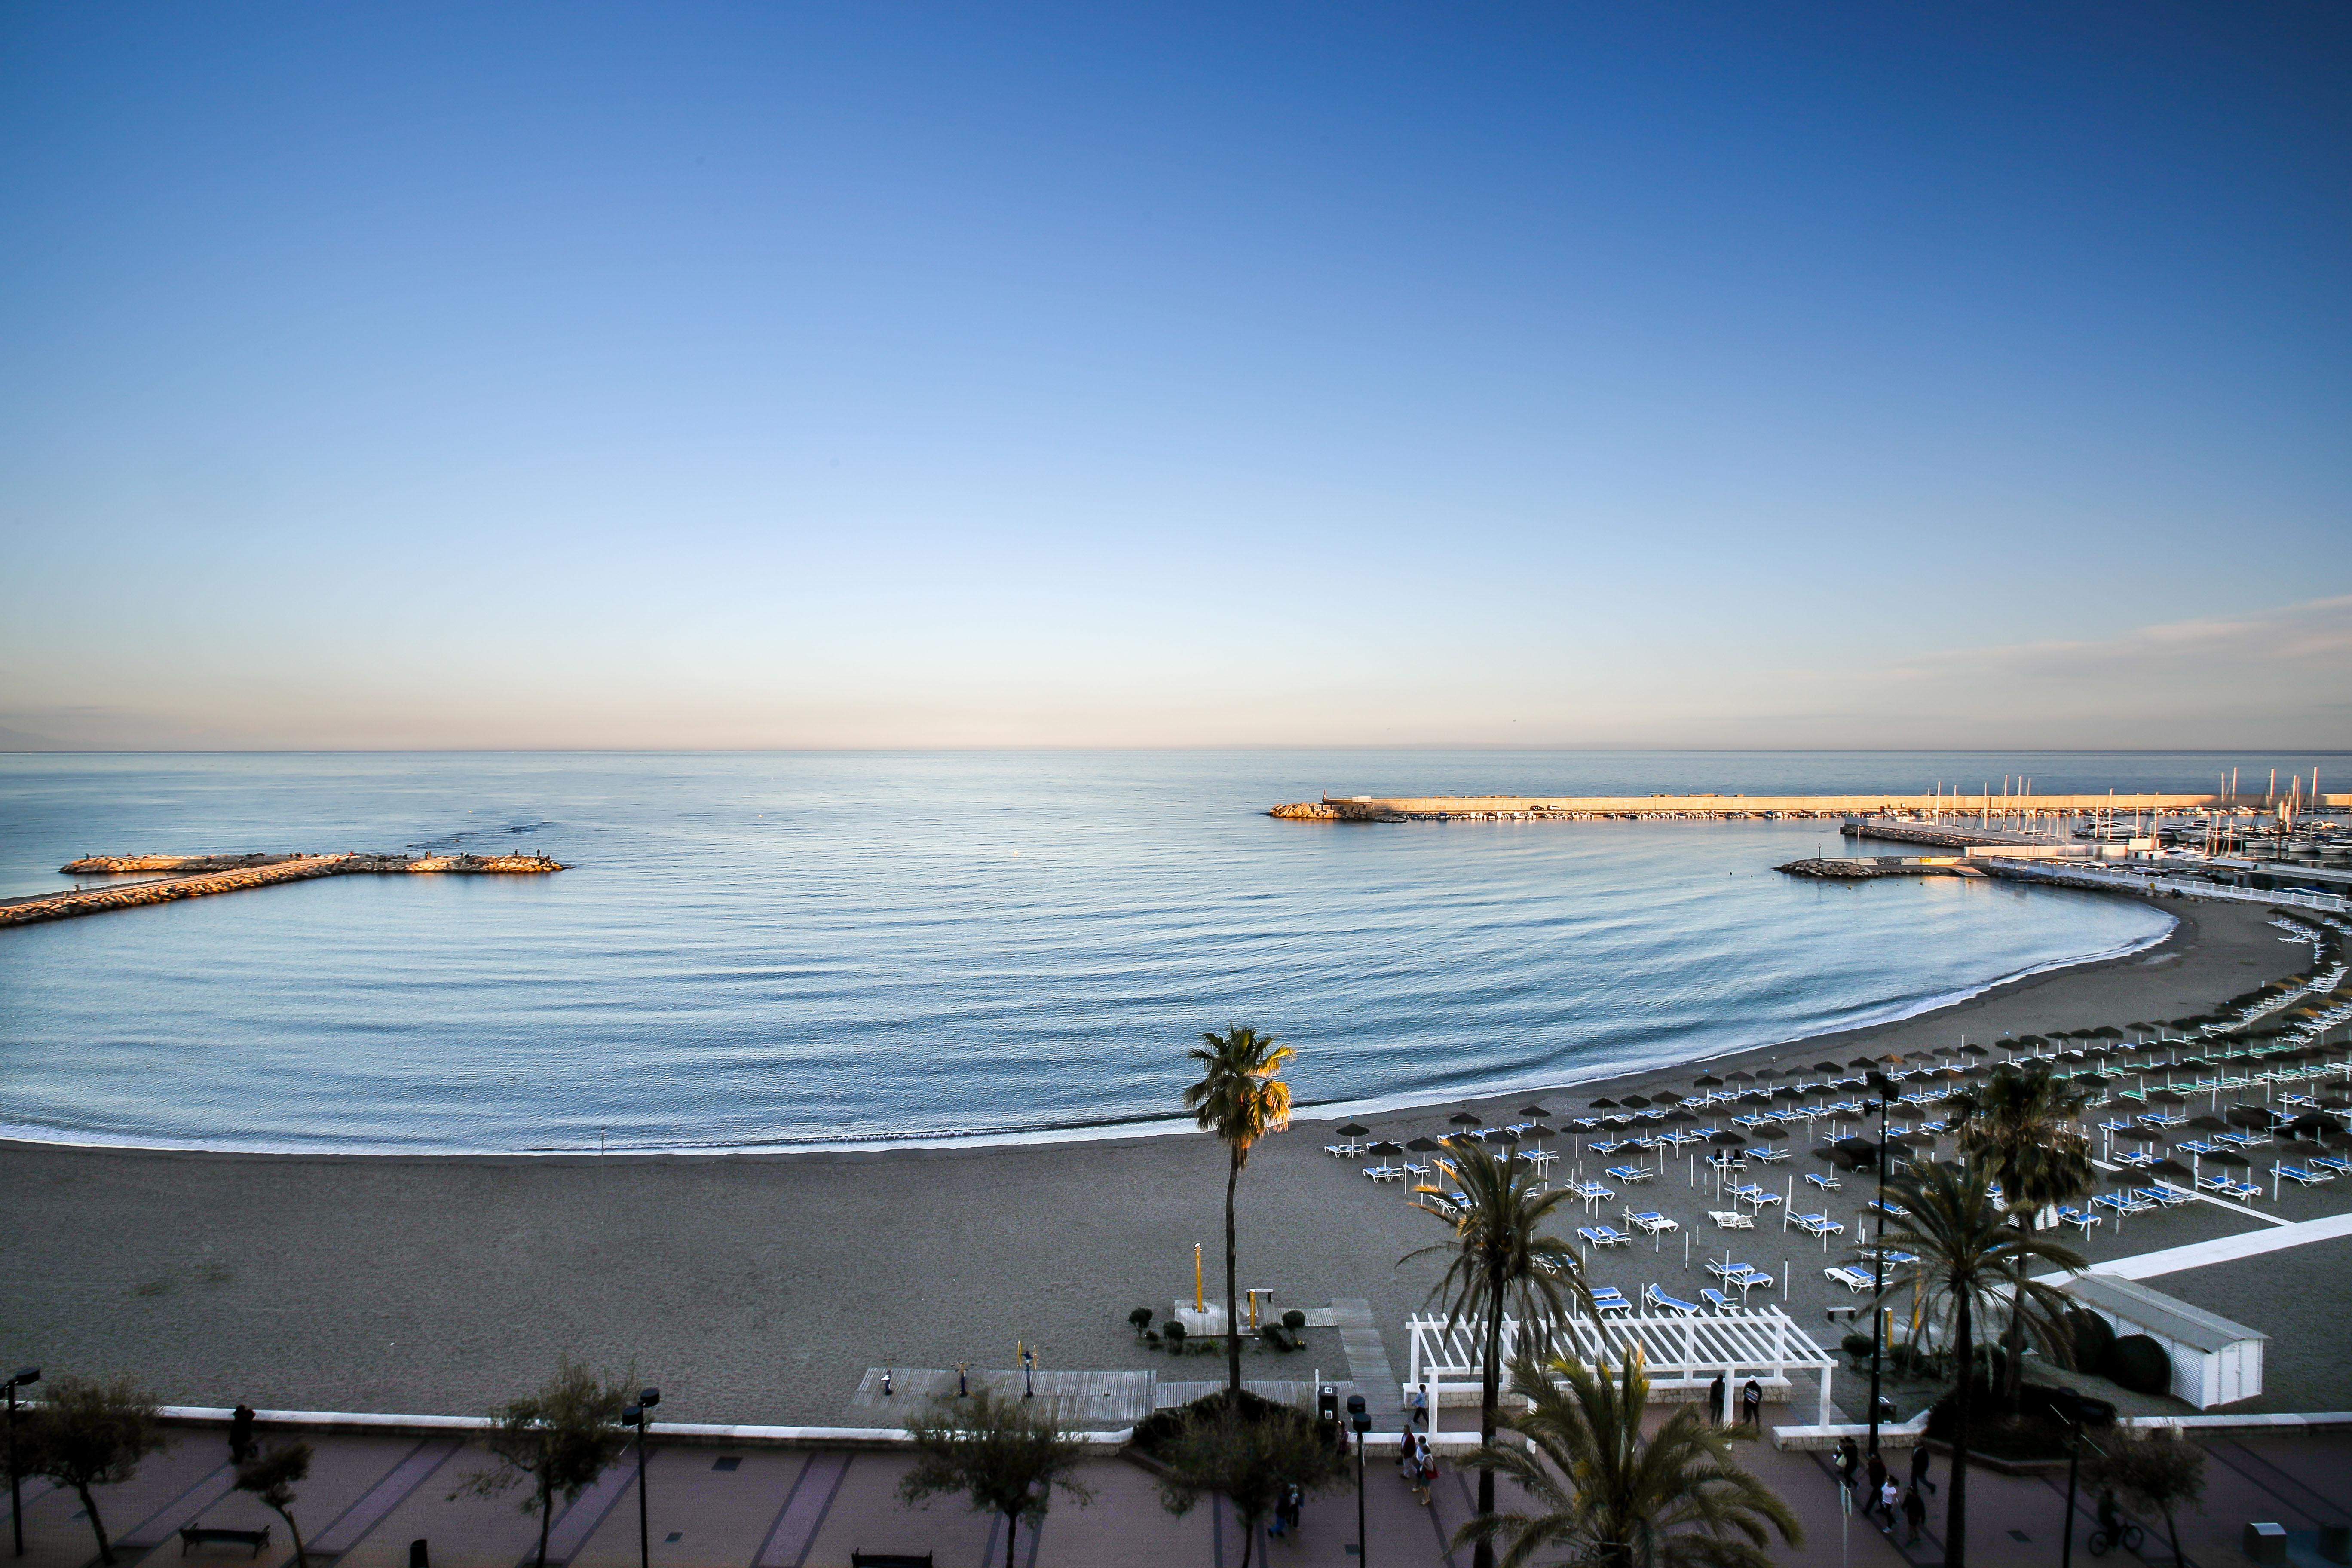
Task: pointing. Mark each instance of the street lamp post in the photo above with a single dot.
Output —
(640, 1415)
(1361, 1421)
(1878, 1261)
(30, 1375)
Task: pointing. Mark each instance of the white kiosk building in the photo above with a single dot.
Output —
(2214, 1361)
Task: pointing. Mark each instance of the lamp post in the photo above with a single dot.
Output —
(1361, 1421)
(640, 1415)
(2068, 1406)
(30, 1375)
(1878, 1081)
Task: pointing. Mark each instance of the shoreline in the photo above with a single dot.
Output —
(2173, 945)
(762, 1287)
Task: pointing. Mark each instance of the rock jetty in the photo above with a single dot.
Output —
(200, 876)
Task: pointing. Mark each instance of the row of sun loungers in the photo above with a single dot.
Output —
(1731, 1219)
(1600, 1236)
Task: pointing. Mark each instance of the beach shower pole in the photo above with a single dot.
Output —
(30, 1375)
(1361, 1420)
(639, 1416)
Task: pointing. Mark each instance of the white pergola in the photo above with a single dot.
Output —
(1680, 1353)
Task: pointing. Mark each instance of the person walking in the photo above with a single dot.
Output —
(1889, 1495)
(1751, 1405)
(1915, 1513)
(1919, 1457)
(1877, 1473)
(1849, 1462)
(1291, 1510)
(1426, 1475)
(240, 1433)
(1718, 1399)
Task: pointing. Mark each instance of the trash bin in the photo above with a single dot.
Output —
(2266, 1542)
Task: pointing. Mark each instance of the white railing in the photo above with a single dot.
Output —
(2156, 882)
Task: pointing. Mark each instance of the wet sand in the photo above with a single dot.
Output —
(758, 1288)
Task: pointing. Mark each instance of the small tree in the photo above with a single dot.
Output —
(88, 1433)
(562, 1437)
(1174, 1333)
(1003, 1453)
(270, 1477)
(1250, 1452)
(2160, 1472)
(1141, 1318)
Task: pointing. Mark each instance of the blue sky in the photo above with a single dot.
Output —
(905, 375)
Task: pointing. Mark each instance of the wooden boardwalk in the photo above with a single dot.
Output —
(1077, 1400)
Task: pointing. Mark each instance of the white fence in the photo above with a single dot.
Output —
(1680, 1353)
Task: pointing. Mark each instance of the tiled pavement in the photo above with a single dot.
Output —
(369, 1497)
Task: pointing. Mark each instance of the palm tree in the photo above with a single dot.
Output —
(1612, 1498)
(2022, 1124)
(1241, 1098)
(1500, 1258)
(1970, 1257)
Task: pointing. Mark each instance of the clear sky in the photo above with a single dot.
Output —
(693, 375)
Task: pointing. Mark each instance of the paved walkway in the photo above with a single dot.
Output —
(368, 1498)
(1368, 1363)
(2227, 1248)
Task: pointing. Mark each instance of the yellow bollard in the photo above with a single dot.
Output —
(1200, 1297)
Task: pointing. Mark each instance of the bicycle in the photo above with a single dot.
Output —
(2102, 1541)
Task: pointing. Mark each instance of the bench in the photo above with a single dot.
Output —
(888, 1560)
(196, 1535)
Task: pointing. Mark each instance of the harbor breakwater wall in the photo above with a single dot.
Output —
(1487, 808)
(201, 876)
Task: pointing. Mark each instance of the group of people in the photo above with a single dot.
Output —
(1416, 1465)
(1882, 1495)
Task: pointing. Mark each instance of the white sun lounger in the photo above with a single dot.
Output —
(2336, 1163)
(2307, 1178)
(1628, 1174)
(1610, 1299)
(1724, 1306)
(1851, 1278)
(2081, 1221)
(1603, 1235)
(1817, 1223)
(1826, 1184)
(1726, 1219)
(1651, 1222)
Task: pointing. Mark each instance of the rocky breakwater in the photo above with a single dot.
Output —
(1860, 867)
(1325, 811)
(200, 876)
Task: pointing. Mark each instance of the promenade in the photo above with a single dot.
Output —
(369, 1498)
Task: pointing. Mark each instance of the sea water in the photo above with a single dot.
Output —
(766, 950)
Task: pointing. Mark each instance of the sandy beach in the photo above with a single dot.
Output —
(760, 1288)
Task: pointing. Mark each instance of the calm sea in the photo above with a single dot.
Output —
(760, 950)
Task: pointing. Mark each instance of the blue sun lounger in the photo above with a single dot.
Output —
(1628, 1174)
(1603, 1235)
(2081, 1221)
(2307, 1178)
(1724, 1306)
(1654, 1297)
(1851, 1278)
(1826, 1184)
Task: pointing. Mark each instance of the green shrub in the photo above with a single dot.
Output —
(1293, 1319)
(1141, 1318)
(1173, 1331)
(1856, 1346)
(2140, 1363)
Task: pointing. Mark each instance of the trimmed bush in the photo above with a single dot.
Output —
(2140, 1363)
(2094, 1339)
(1293, 1319)
(1856, 1346)
(1173, 1331)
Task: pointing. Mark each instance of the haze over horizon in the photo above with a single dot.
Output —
(735, 377)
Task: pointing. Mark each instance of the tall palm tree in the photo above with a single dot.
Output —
(1970, 1257)
(1609, 1497)
(1501, 1258)
(1241, 1098)
(2022, 1124)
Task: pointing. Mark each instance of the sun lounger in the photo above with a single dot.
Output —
(1654, 1297)
(1851, 1278)
(1651, 1222)
(1345, 1150)
(1826, 1184)
(1608, 1299)
(1754, 1194)
(2243, 1192)
(2136, 1158)
(1769, 1156)
(1731, 1219)
(2297, 1173)
(1896, 1211)
(1817, 1225)
(2198, 1146)
(1723, 1305)
(1606, 1145)
(1603, 1235)
(2334, 1162)
(2170, 1197)
(1628, 1174)
(2077, 1219)
(1385, 1173)
(1593, 1191)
